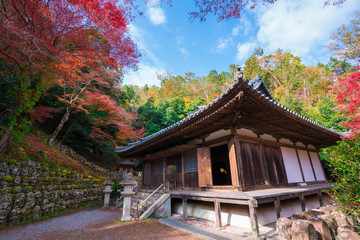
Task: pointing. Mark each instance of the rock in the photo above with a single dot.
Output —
(346, 227)
(5, 200)
(352, 220)
(348, 235)
(19, 200)
(282, 227)
(328, 209)
(331, 223)
(315, 212)
(299, 216)
(321, 226)
(303, 230)
(341, 219)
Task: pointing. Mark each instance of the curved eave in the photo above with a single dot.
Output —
(228, 95)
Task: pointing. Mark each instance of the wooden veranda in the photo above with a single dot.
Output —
(252, 199)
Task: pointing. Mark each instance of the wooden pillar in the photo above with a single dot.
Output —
(297, 155)
(184, 205)
(302, 202)
(277, 207)
(253, 218)
(233, 163)
(183, 169)
(164, 173)
(217, 213)
(321, 200)
(240, 162)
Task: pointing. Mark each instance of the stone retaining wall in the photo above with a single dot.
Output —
(325, 223)
(30, 190)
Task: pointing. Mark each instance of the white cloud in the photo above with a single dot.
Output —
(184, 52)
(144, 75)
(302, 27)
(156, 15)
(244, 26)
(223, 43)
(244, 51)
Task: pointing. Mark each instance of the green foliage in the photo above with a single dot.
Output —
(7, 178)
(344, 163)
(114, 188)
(11, 161)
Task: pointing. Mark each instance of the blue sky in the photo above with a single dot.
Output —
(171, 43)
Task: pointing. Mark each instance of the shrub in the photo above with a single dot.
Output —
(7, 178)
(344, 163)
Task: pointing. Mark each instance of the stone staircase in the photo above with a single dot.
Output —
(158, 204)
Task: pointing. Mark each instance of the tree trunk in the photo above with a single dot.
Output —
(60, 126)
(4, 142)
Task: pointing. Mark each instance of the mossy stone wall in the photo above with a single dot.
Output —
(30, 190)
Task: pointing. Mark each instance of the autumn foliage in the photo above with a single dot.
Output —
(348, 98)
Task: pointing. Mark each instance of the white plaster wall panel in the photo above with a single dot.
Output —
(291, 163)
(234, 215)
(286, 141)
(218, 134)
(266, 213)
(290, 206)
(312, 201)
(268, 137)
(306, 166)
(246, 132)
(317, 166)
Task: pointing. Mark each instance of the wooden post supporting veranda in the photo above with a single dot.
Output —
(217, 213)
(253, 217)
(277, 207)
(321, 200)
(302, 202)
(184, 205)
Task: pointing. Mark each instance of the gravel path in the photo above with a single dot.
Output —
(76, 221)
(94, 224)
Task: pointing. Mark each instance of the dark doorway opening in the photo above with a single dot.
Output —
(220, 165)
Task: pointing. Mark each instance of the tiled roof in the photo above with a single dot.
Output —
(256, 85)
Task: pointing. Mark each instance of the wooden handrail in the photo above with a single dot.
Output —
(142, 203)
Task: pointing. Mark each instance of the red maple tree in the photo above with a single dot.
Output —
(348, 98)
(49, 35)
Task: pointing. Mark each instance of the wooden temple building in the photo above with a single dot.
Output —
(243, 159)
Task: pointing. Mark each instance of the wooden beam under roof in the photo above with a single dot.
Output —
(170, 151)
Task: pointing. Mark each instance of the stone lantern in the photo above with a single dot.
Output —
(108, 183)
(129, 182)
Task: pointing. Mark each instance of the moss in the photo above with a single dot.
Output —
(97, 180)
(28, 189)
(45, 169)
(103, 179)
(7, 178)
(51, 174)
(95, 185)
(11, 161)
(16, 189)
(74, 186)
(26, 178)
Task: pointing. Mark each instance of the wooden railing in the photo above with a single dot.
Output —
(139, 205)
